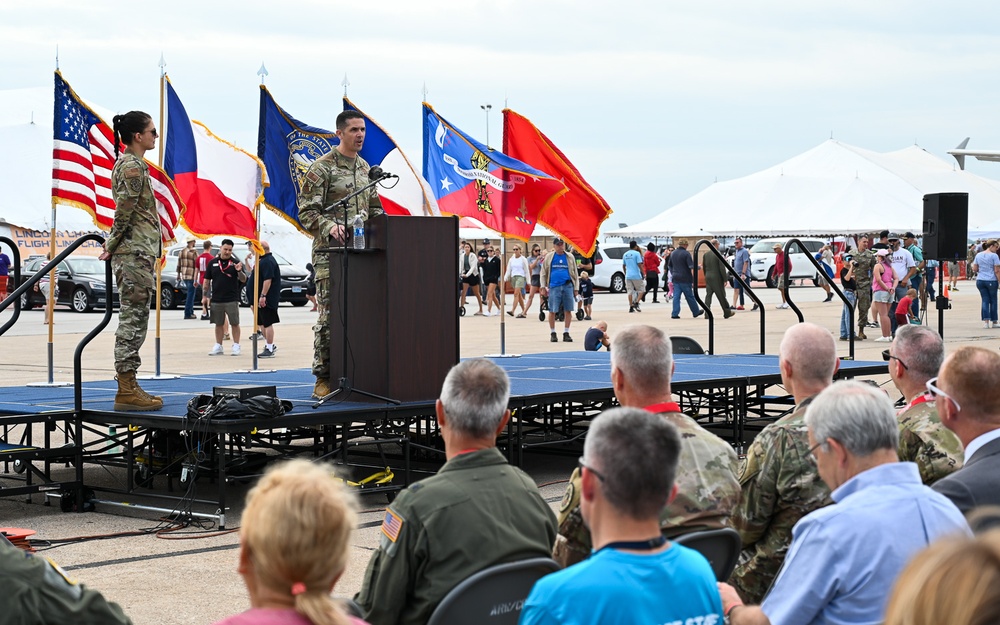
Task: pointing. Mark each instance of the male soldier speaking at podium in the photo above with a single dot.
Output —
(331, 178)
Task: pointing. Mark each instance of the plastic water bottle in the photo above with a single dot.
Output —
(359, 233)
(112, 433)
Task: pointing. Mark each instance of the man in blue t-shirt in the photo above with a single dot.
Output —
(635, 574)
(560, 284)
(597, 337)
(635, 275)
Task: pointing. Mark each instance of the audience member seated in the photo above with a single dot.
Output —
(844, 557)
(294, 537)
(954, 581)
(641, 367)
(967, 395)
(477, 511)
(780, 481)
(635, 575)
(915, 357)
(597, 337)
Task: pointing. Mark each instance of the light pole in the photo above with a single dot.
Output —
(487, 107)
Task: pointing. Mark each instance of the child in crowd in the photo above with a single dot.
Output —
(597, 335)
(586, 293)
(904, 314)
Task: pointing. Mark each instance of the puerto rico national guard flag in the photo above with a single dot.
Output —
(576, 216)
(472, 180)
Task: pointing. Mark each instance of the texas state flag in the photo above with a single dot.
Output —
(220, 184)
(472, 180)
(410, 194)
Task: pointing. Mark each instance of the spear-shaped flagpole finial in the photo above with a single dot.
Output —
(346, 84)
(262, 72)
(163, 65)
(57, 57)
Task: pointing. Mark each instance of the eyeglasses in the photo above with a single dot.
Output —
(583, 465)
(891, 357)
(814, 448)
(936, 392)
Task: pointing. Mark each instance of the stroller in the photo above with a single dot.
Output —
(544, 308)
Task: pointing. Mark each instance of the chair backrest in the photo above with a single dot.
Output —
(686, 345)
(720, 547)
(494, 595)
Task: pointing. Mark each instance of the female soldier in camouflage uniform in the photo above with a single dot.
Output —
(133, 246)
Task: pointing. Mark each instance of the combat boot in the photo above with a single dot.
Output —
(322, 388)
(131, 397)
(861, 335)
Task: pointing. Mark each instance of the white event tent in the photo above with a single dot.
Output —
(832, 189)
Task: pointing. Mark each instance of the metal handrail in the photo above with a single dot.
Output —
(822, 272)
(17, 279)
(745, 285)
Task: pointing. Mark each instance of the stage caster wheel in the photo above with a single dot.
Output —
(20, 466)
(461, 311)
(143, 480)
(579, 315)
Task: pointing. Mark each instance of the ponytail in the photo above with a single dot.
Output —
(126, 126)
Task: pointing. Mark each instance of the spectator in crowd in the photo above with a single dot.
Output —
(270, 297)
(741, 263)
(641, 368)
(715, 280)
(561, 284)
(187, 271)
(883, 288)
(491, 278)
(311, 287)
(476, 512)
(956, 581)
(517, 274)
(651, 262)
(4, 274)
(967, 396)
(905, 268)
(469, 268)
(680, 265)
(583, 263)
(883, 241)
(849, 286)
(597, 337)
(36, 590)
(904, 310)
(635, 272)
(586, 295)
(224, 278)
(668, 281)
(203, 259)
(535, 265)
(634, 568)
(825, 258)
(910, 241)
(986, 265)
(865, 260)
(294, 542)
(954, 269)
(844, 558)
(914, 358)
(780, 275)
(780, 481)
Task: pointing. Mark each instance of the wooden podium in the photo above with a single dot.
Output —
(401, 308)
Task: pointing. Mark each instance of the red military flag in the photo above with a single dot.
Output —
(577, 215)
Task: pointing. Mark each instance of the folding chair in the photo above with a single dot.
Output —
(720, 547)
(494, 595)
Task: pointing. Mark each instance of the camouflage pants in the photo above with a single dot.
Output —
(135, 277)
(321, 330)
(864, 294)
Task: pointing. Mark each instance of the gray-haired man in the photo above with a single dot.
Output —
(476, 512)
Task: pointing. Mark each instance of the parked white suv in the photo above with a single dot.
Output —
(762, 259)
(608, 273)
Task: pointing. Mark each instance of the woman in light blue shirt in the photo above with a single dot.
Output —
(987, 268)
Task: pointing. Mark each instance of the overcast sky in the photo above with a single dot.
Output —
(653, 101)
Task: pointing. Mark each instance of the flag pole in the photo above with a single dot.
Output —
(503, 308)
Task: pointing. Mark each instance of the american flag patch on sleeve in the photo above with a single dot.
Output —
(392, 524)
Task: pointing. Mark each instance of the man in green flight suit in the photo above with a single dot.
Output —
(35, 590)
(477, 511)
(331, 178)
(715, 280)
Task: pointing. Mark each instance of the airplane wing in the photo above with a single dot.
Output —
(983, 155)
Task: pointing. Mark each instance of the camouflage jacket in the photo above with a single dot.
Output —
(866, 263)
(923, 440)
(136, 228)
(781, 484)
(329, 179)
(708, 492)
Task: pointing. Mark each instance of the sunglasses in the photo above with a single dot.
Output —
(584, 465)
(936, 392)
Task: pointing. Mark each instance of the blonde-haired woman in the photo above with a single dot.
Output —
(954, 581)
(293, 546)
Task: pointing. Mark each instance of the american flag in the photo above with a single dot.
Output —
(83, 154)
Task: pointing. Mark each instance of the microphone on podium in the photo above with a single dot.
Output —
(376, 173)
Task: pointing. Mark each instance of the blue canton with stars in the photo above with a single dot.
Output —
(73, 122)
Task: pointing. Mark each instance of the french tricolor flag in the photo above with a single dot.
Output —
(220, 184)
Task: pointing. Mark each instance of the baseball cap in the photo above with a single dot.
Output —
(893, 236)
(909, 235)
(882, 252)
(776, 246)
(557, 241)
(486, 241)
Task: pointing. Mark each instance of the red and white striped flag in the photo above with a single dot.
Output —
(83, 154)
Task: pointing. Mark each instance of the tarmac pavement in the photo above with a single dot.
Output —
(190, 576)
